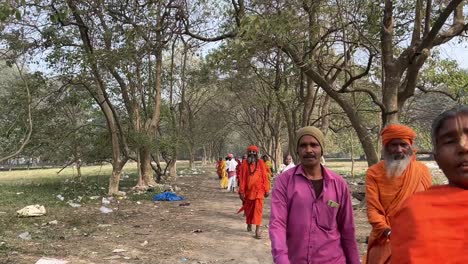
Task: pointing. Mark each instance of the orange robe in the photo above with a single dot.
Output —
(219, 169)
(432, 227)
(384, 198)
(253, 184)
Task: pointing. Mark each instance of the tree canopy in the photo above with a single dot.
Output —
(157, 81)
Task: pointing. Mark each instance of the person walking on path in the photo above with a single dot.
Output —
(311, 219)
(254, 188)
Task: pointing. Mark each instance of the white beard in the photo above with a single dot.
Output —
(396, 167)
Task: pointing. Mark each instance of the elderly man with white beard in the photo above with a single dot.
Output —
(388, 184)
(254, 187)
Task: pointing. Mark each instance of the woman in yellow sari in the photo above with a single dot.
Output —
(269, 166)
(224, 176)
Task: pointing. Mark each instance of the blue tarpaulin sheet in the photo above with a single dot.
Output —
(167, 196)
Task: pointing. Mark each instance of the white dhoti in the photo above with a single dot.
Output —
(232, 183)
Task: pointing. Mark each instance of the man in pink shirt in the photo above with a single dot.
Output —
(311, 218)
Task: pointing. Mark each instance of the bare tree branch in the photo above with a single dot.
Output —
(27, 137)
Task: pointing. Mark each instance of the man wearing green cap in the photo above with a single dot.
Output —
(311, 217)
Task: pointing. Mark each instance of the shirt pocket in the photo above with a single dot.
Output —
(326, 216)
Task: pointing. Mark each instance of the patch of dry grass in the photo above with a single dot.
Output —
(344, 167)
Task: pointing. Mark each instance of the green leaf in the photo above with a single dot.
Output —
(18, 14)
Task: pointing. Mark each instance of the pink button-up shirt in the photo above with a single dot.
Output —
(305, 229)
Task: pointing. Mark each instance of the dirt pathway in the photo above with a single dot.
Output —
(224, 238)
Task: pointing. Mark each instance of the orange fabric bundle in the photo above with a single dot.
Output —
(397, 131)
(384, 199)
(432, 227)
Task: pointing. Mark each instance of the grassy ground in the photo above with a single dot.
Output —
(344, 167)
(39, 186)
(21, 188)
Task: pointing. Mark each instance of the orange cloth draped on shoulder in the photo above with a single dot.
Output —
(253, 184)
(432, 227)
(224, 177)
(384, 198)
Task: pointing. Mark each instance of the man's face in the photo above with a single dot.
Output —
(398, 148)
(309, 151)
(397, 155)
(252, 157)
(451, 150)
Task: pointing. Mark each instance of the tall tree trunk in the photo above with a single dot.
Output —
(278, 155)
(191, 156)
(78, 161)
(205, 157)
(172, 166)
(309, 102)
(115, 179)
(352, 154)
(390, 98)
(99, 93)
(325, 124)
(151, 124)
(146, 169)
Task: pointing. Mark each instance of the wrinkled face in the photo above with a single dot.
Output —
(309, 151)
(397, 155)
(451, 150)
(398, 149)
(252, 157)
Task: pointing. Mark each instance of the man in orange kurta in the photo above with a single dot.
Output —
(254, 187)
(432, 226)
(388, 184)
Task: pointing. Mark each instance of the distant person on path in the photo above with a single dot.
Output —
(432, 226)
(388, 184)
(288, 164)
(219, 169)
(232, 173)
(269, 166)
(311, 212)
(254, 187)
(239, 165)
(224, 176)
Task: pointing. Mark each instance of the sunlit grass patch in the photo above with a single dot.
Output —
(344, 167)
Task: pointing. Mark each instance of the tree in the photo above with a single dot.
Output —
(83, 38)
(16, 108)
(401, 71)
(329, 39)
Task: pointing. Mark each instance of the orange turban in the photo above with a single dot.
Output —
(397, 131)
(252, 148)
